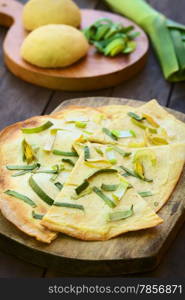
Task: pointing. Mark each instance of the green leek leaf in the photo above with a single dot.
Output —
(121, 215)
(69, 205)
(109, 187)
(21, 197)
(37, 216)
(42, 195)
(41, 128)
(59, 185)
(64, 153)
(109, 133)
(105, 198)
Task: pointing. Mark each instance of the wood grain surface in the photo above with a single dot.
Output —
(20, 100)
(95, 71)
(129, 253)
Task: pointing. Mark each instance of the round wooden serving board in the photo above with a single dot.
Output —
(95, 71)
(129, 253)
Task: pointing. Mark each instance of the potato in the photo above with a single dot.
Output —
(53, 46)
(37, 13)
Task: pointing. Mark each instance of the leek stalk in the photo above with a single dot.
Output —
(167, 36)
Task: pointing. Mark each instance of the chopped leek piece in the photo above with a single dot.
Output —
(102, 171)
(41, 128)
(50, 142)
(64, 153)
(94, 163)
(79, 124)
(59, 185)
(37, 216)
(151, 121)
(86, 153)
(122, 152)
(109, 187)
(42, 195)
(21, 197)
(145, 194)
(135, 116)
(123, 133)
(83, 194)
(137, 145)
(69, 161)
(69, 205)
(148, 154)
(139, 169)
(99, 151)
(55, 130)
(133, 174)
(57, 169)
(79, 189)
(156, 204)
(111, 155)
(121, 214)
(158, 141)
(143, 126)
(105, 198)
(28, 152)
(130, 47)
(88, 132)
(23, 167)
(120, 192)
(138, 123)
(109, 133)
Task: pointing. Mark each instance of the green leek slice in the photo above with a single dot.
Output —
(110, 134)
(105, 198)
(133, 174)
(123, 133)
(37, 216)
(79, 189)
(40, 193)
(86, 153)
(69, 161)
(41, 128)
(121, 190)
(111, 155)
(64, 153)
(122, 152)
(23, 167)
(135, 116)
(99, 151)
(80, 124)
(109, 187)
(21, 197)
(69, 205)
(120, 215)
(59, 185)
(102, 171)
(143, 126)
(145, 194)
(83, 194)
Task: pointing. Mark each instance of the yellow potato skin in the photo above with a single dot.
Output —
(37, 13)
(54, 46)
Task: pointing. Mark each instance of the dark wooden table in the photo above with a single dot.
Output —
(20, 100)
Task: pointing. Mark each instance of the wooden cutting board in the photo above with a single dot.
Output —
(93, 72)
(129, 253)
